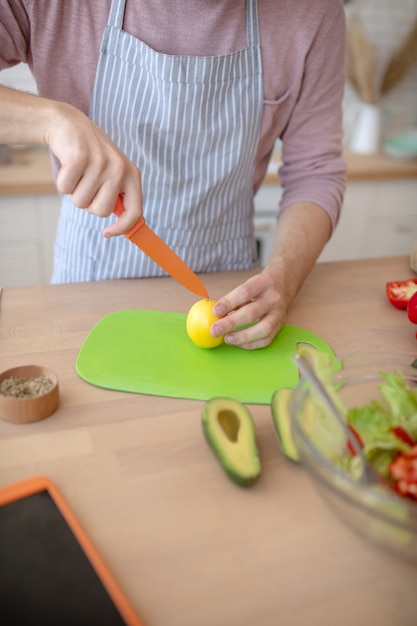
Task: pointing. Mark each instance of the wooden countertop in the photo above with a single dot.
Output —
(189, 547)
(361, 167)
(29, 171)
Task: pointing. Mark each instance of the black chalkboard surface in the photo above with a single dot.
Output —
(50, 573)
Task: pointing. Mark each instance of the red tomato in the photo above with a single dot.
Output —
(403, 435)
(403, 470)
(412, 309)
(400, 292)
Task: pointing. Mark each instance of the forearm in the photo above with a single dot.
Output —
(303, 230)
(24, 117)
(94, 172)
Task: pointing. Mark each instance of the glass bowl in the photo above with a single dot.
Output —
(374, 511)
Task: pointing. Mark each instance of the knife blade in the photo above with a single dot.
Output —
(153, 246)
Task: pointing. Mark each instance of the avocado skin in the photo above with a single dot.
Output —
(221, 445)
(282, 422)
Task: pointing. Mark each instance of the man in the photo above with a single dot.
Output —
(176, 106)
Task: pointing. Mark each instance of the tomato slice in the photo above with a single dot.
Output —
(403, 435)
(400, 292)
(358, 439)
(403, 470)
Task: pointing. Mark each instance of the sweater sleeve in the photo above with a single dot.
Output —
(313, 168)
(14, 33)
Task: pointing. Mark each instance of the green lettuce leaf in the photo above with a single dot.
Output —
(402, 402)
(373, 422)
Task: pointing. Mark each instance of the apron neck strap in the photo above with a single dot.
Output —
(252, 24)
(117, 11)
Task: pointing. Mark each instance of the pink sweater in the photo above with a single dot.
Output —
(303, 47)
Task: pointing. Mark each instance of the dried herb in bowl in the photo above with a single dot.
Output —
(24, 387)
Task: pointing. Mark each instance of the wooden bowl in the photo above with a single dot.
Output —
(23, 410)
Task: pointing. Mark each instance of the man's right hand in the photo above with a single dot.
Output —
(94, 171)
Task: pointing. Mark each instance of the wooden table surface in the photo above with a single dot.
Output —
(188, 546)
(30, 171)
(360, 167)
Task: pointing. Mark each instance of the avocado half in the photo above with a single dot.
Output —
(230, 432)
(280, 407)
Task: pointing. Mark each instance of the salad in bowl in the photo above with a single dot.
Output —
(376, 396)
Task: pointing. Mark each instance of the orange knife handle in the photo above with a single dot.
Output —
(119, 209)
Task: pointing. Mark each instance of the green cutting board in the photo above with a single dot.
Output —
(149, 352)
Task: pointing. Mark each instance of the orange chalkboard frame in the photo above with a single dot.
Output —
(37, 484)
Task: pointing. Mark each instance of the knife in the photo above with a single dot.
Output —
(147, 240)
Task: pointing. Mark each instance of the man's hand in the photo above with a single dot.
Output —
(263, 300)
(257, 302)
(94, 172)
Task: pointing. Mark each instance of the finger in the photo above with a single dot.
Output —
(99, 186)
(230, 302)
(251, 312)
(240, 317)
(256, 336)
(255, 345)
(68, 178)
(132, 202)
(104, 201)
(81, 183)
(242, 294)
(84, 194)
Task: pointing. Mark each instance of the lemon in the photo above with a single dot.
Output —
(199, 319)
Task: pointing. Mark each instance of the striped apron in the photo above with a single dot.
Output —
(191, 125)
